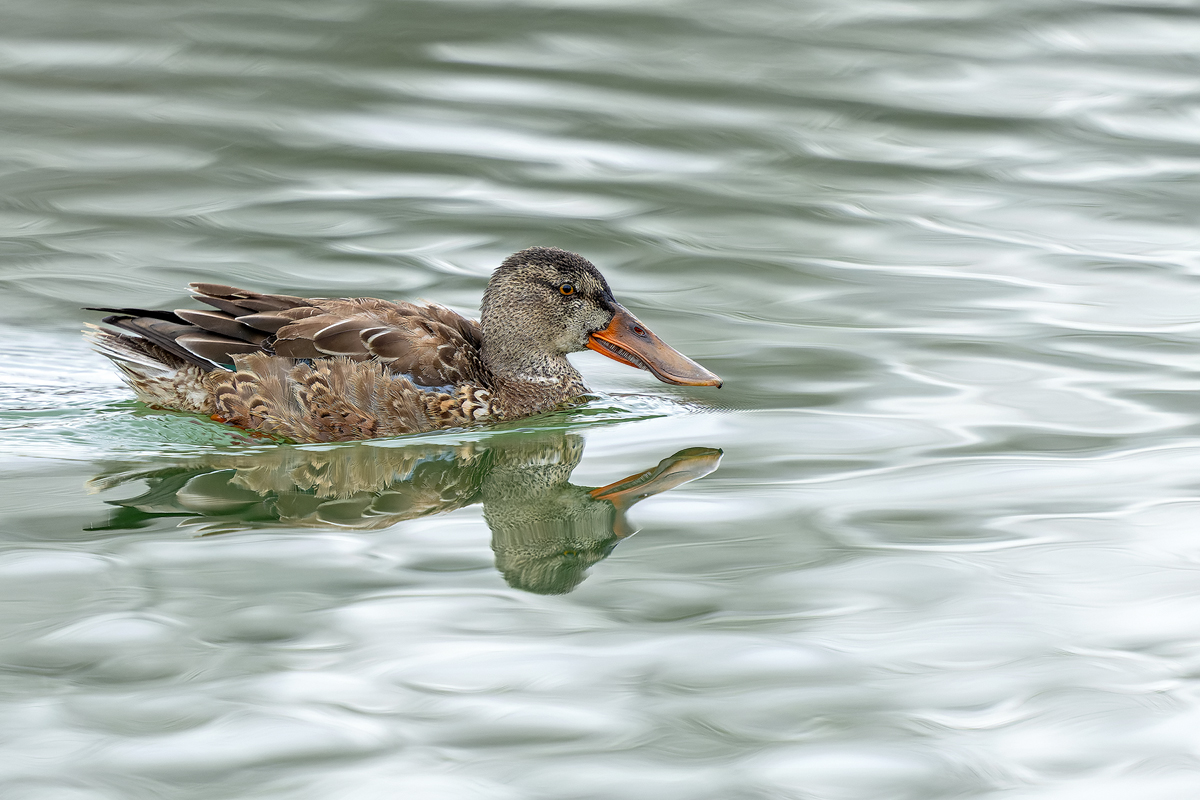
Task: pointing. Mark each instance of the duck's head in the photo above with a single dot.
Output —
(544, 303)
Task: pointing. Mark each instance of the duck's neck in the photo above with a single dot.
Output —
(528, 367)
(530, 383)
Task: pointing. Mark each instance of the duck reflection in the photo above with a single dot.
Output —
(546, 531)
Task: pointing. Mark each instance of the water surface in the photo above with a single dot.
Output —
(943, 254)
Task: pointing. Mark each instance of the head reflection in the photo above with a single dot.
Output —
(546, 531)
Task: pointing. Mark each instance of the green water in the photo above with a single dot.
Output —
(943, 254)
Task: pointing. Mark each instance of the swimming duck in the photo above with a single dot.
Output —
(322, 370)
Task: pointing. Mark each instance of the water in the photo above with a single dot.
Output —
(943, 254)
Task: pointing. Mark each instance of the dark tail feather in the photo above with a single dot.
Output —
(136, 356)
(159, 328)
(166, 316)
(207, 339)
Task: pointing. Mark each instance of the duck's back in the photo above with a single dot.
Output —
(311, 369)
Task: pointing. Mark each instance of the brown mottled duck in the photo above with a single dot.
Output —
(324, 370)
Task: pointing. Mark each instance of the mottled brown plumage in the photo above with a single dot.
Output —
(321, 370)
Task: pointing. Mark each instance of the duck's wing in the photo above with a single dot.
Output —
(431, 344)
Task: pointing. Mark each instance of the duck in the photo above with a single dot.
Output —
(341, 369)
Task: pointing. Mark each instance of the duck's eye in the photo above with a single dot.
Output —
(567, 289)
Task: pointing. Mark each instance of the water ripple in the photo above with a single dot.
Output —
(943, 255)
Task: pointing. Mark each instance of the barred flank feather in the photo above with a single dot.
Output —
(331, 400)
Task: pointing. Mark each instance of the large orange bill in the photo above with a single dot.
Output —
(629, 341)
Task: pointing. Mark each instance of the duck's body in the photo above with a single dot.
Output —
(320, 370)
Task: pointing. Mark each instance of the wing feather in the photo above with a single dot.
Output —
(272, 321)
(245, 299)
(431, 344)
(223, 324)
(217, 349)
(345, 338)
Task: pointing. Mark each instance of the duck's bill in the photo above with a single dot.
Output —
(629, 341)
